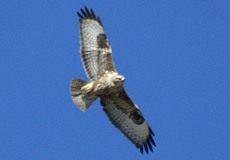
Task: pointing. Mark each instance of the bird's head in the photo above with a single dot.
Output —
(119, 80)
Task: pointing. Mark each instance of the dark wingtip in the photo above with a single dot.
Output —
(146, 148)
(86, 13)
(141, 149)
(79, 15)
(148, 144)
(151, 140)
(151, 131)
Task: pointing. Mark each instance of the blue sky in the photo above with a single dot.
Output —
(176, 60)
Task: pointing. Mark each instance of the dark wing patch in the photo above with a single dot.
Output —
(129, 120)
(105, 60)
(96, 52)
(102, 41)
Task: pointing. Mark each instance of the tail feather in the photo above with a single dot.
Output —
(83, 102)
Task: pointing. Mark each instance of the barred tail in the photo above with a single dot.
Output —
(83, 102)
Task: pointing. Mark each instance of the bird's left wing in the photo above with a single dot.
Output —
(96, 52)
(126, 116)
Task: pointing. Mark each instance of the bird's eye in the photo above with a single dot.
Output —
(120, 78)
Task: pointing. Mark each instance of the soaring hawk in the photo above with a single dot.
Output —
(105, 83)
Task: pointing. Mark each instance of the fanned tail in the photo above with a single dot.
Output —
(83, 102)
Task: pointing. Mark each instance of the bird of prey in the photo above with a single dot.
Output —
(105, 83)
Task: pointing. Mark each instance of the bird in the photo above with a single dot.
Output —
(107, 84)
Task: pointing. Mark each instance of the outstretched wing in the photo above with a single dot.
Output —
(96, 52)
(125, 115)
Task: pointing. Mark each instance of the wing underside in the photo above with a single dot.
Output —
(128, 119)
(96, 52)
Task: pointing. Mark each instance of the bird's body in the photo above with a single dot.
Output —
(105, 83)
(109, 83)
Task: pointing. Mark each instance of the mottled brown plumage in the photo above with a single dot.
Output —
(105, 83)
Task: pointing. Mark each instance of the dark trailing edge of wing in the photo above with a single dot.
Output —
(149, 143)
(86, 13)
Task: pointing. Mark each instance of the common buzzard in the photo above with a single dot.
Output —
(107, 84)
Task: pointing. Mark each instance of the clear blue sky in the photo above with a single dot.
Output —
(176, 59)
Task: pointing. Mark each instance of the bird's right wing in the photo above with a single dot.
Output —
(96, 52)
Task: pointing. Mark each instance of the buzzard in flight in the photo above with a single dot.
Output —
(105, 83)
